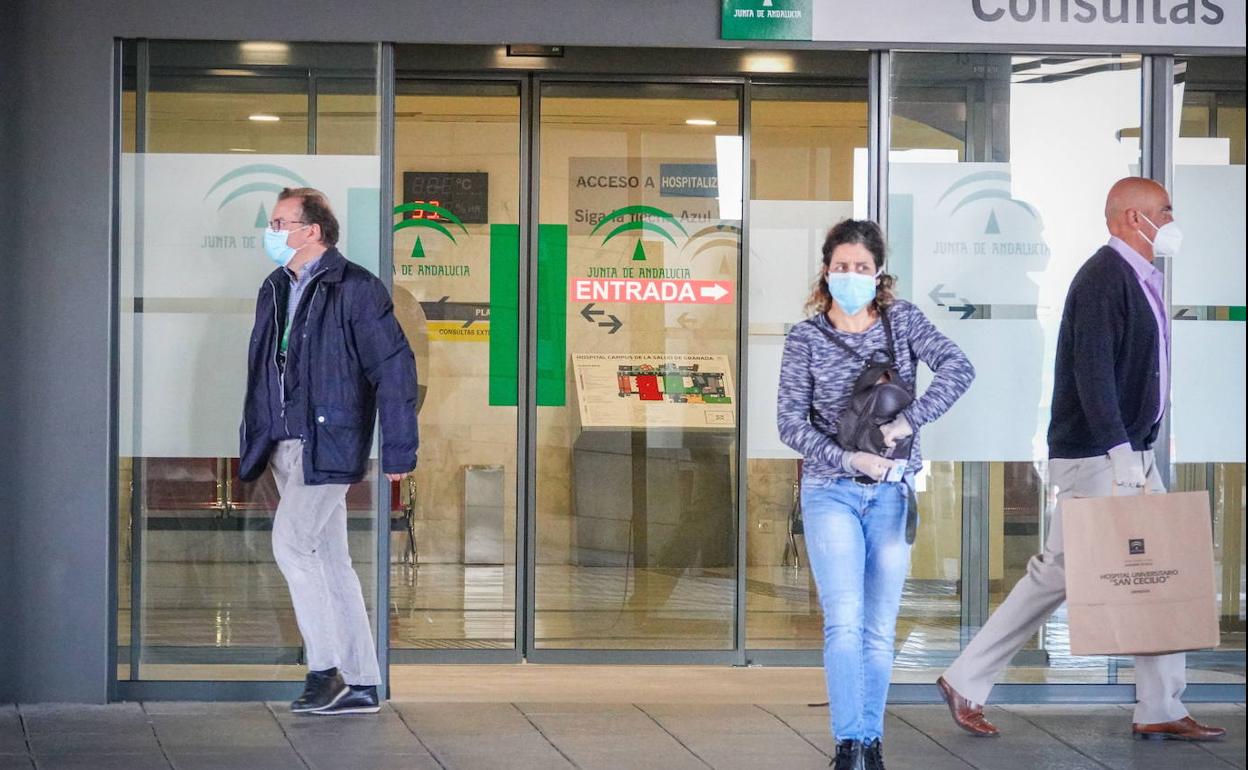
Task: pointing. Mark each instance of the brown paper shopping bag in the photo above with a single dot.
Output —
(1139, 574)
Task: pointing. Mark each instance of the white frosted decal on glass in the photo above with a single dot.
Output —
(785, 242)
(190, 398)
(1209, 207)
(192, 257)
(1208, 396)
(786, 238)
(202, 217)
(1004, 417)
(764, 372)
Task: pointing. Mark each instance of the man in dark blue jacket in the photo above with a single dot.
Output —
(326, 355)
(1110, 388)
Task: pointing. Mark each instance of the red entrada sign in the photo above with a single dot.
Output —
(640, 290)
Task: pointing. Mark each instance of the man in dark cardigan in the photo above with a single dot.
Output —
(1109, 394)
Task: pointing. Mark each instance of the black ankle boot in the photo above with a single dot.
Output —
(873, 755)
(848, 756)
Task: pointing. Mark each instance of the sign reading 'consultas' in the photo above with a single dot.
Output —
(1175, 25)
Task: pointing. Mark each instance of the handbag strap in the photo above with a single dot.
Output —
(888, 336)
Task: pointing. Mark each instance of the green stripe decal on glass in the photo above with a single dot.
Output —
(552, 307)
(552, 314)
(504, 314)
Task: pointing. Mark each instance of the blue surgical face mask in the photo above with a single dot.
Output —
(276, 247)
(851, 290)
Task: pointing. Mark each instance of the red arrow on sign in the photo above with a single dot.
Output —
(644, 290)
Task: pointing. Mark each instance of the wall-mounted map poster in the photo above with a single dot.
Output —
(638, 390)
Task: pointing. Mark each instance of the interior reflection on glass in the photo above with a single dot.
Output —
(995, 200)
(199, 594)
(808, 170)
(456, 253)
(1207, 305)
(636, 532)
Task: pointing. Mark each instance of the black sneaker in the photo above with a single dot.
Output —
(358, 699)
(320, 689)
(848, 756)
(873, 755)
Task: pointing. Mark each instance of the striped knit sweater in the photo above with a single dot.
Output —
(817, 376)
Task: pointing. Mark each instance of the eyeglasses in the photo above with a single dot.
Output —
(280, 224)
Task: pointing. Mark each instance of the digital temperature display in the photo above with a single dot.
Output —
(466, 194)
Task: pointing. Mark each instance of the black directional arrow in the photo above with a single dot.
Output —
(467, 312)
(686, 321)
(967, 310)
(614, 323)
(588, 313)
(1184, 314)
(939, 296)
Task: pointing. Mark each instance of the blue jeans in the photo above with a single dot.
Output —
(856, 542)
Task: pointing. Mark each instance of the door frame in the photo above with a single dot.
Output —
(531, 80)
(619, 66)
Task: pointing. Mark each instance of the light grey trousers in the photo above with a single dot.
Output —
(310, 544)
(1159, 679)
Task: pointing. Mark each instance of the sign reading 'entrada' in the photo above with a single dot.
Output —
(1172, 24)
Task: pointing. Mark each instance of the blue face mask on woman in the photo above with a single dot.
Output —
(851, 290)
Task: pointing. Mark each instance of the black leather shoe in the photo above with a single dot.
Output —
(320, 689)
(873, 755)
(359, 699)
(848, 756)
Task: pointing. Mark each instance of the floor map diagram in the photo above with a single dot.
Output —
(632, 390)
(670, 382)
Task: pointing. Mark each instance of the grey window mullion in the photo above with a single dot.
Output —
(314, 112)
(975, 548)
(879, 125)
(743, 330)
(385, 266)
(137, 466)
(1157, 110)
(530, 164)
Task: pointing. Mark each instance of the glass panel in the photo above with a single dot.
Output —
(637, 333)
(200, 595)
(1207, 305)
(456, 247)
(808, 166)
(997, 181)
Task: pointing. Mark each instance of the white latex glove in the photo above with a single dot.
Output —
(869, 465)
(1128, 467)
(896, 430)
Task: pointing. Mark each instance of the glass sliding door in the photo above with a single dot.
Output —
(457, 261)
(1207, 307)
(808, 171)
(998, 171)
(211, 133)
(637, 253)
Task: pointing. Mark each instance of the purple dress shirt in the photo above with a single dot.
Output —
(1153, 282)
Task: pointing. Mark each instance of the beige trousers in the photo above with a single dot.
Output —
(310, 544)
(1159, 679)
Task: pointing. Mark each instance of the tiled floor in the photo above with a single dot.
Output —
(604, 735)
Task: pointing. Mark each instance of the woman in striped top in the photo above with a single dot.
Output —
(854, 516)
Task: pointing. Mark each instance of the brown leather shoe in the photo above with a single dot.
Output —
(1185, 729)
(967, 715)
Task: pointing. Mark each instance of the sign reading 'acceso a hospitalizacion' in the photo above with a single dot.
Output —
(1172, 24)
